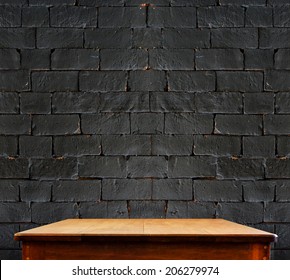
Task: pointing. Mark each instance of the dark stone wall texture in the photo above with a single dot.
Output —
(144, 109)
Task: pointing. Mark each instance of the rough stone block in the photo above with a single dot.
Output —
(283, 146)
(50, 3)
(18, 38)
(147, 209)
(147, 123)
(10, 16)
(106, 123)
(15, 124)
(259, 103)
(147, 167)
(259, 59)
(14, 80)
(7, 236)
(9, 191)
(281, 15)
(277, 80)
(77, 145)
(282, 60)
(54, 168)
(56, 124)
(8, 146)
(259, 17)
(35, 17)
(35, 59)
(259, 191)
(126, 145)
(35, 191)
(274, 38)
(15, 212)
(9, 102)
(238, 124)
(35, 103)
(102, 167)
(217, 145)
(126, 189)
(275, 124)
(259, 146)
(9, 59)
(147, 38)
(277, 212)
(192, 167)
(172, 189)
(282, 102)
(278, 168)
(34, 146)
(242, 168)
(283, 232)
(191, 81)
(172, 145)
(188, 123)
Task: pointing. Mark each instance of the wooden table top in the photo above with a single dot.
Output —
(199, 229)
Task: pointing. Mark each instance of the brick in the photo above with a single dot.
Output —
(124, 102)
(13, 212)
(240, 81)
(147, 209)
(278, 168)
(259, 146)
(259, 17)
(109, 38)
(9, 59)
(35, 103)
(134, 59)
(77, 145)
(259, 103)
(10, 16)
(275, 124)
(147, 123)
(9, 191)
(189, 3)
(14, 168)
(172, 102)
(282, 60)
(230, 16)
(242, 212)
(7, 236)
(106, 123)
(103, 81)
(283, 191)
(259, 59)
(147, 167)
(126, 189)
(18, 38)
(126, 145)
(238, 125)
(160, 59)
(35, 191)
(101, 3)
(177, 17)
(35, 59)
(259, 191)
(283, 231)
(277, 212)
(9, 102)
(147, 38)
(186, 38)
(55, 81)
(217, 191)
(50, 3)
(49, 212)
(242, 168)
(56, 124)
(219, 59)
(282, 102)
(75, 102)
(73, 16)
(243, 2)
(33, 146)
(217, 145)
(50, 38)
(243, 38)
(192, 81)
(54, 168)
(219, 102)
(147, 80)
(76, 191)
(102, 167)
(273, 38)
(277, 80)
(188, 123)
(35, 17)
(283, 146)
(172, 189)
(8, 146)
(122, 17)
(191, 167)
(75, 59)
(104, 209)
(172, 145)
(281, 16)
(15, 125)
(14, 80)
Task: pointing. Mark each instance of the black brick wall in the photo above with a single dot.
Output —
(154, 109)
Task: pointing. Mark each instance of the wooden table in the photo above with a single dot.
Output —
(145, 239)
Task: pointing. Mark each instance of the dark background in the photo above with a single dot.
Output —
(144, 109)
